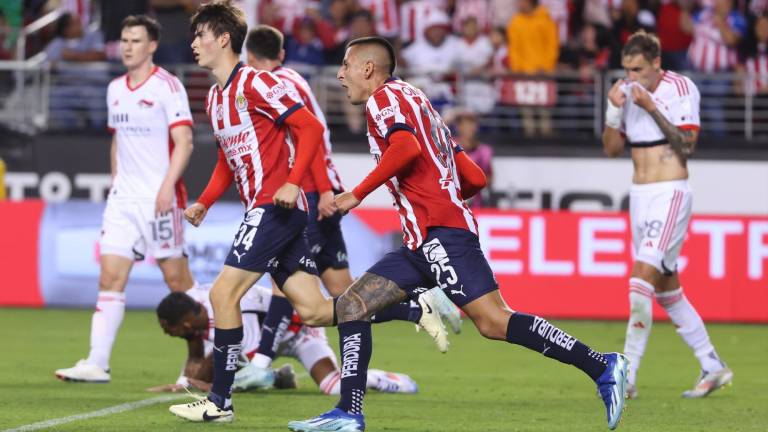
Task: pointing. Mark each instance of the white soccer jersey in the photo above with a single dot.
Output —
(255, 300)
(676, 97)
(141, 116)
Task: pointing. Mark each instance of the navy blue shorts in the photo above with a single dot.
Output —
(271, 240)
(450, 258)
(325, 239)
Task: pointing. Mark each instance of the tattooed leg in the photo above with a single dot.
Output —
(369, 294)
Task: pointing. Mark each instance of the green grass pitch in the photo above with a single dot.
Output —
(478, 386)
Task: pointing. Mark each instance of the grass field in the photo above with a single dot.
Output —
(477, 386)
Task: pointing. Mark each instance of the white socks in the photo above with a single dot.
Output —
(110, 309)
(691, 328)
(639, 325)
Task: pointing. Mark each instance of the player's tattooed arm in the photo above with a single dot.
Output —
(682, 141)
(369, 294)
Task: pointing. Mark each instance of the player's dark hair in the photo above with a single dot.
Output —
(643, 43)
(221, 17)
(378, 40)
(264, 42)
(149, 23)
(174, 306)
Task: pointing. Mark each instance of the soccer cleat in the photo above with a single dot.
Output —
(334, 420)
(631, 391)
(709, 382)
(253, 377)
(285, 377)
(202, 410)
(83, 372)
(612, 387)
(390, 382)
(431, 322)
(448, 311)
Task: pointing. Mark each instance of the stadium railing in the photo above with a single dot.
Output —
(573, 103)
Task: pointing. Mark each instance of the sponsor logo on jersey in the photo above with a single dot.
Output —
(241, 103)
(277, 91)
(233, 140)
(350, 355)
(552, 333)
(385, 113)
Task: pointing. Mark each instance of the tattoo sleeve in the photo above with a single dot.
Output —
(681, 141)
(369, 294)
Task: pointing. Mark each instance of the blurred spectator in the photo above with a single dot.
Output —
(716, 31)
(305, 47)
(80, 9)
(112, 15)
(755, 64)
(479, 9)
(533, 50)
(413, 18)
(73, 44)
(465, 124)
(77, 92)
(11, 11)
(502, 11)
(587, 53)
(474, 54)
(6, 52)
(282, 14)
(674, 40)
(630, 19)
(558, 11)
(173, 16)
(432, 59)
(384, 13)
(333, 31)
(600, 12)
(500, 60)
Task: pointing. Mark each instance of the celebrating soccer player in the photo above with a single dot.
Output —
(657, 113)
(429, 177)
(151, 123)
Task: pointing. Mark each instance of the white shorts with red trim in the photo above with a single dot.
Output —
(130, 229)
(659, 215)
(309, 346)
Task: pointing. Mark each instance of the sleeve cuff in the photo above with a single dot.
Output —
(689, 127)
(185, 122)
(399, 126)
(457, 149)
(279, 121)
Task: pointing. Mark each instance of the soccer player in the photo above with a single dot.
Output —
(151, 123)
(656, 112)
(190, 316)
(429, 177)
(264, 46)
(266, 141)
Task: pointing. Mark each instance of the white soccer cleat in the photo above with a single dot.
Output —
(448, 311)
(83, 372)
(202, 410)
(253, 377)
(431, 321)
(709, 382)
(390, 382)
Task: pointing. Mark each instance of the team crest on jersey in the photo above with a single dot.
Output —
(220, 112)
(241, 103)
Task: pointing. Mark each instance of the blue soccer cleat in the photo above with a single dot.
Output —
(334, 420)
(612, 387)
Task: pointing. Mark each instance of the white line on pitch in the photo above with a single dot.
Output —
(98, 413)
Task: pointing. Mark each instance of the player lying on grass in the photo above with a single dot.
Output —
(190, 316)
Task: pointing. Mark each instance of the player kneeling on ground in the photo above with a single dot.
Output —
(189, 315)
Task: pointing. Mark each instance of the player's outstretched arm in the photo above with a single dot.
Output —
(471, 176)
(308, 132)
(220, 180)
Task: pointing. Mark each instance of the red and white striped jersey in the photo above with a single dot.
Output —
(708, 51)
(676, 98)
(757, 70)
(247, 118)
(413, 18)
(428, 193)
(141, 116)
(384, 14)
(294, 80)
